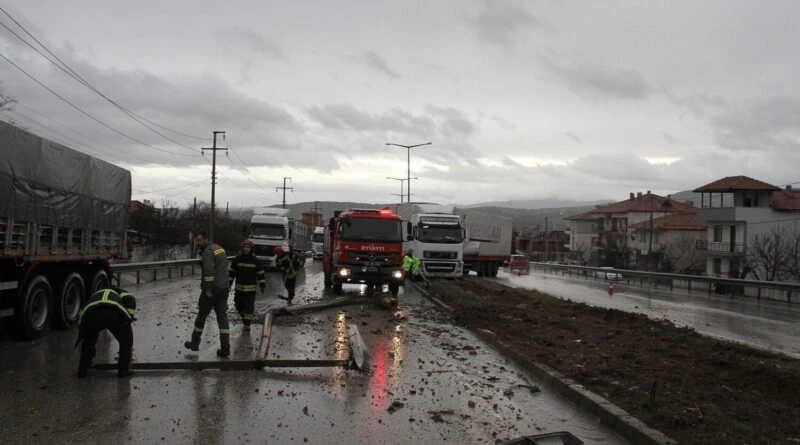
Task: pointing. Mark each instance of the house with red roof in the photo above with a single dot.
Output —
(669, 243)
(739, 209)
(611, 226)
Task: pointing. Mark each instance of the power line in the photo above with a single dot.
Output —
(79, 144)
(86, 83)
(87, 114)
(66, 69)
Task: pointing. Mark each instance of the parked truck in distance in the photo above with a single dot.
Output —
(269, 228)
(63, 216)
(488, 242)
(364, 246)
(317, 243)
(438, 238)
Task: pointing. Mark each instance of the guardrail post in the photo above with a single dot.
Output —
(690, 286)
(788, 296)
(709, 288)
(138, 277)
(192, 269)
(169, 272)
(181, 270)
(155, 274)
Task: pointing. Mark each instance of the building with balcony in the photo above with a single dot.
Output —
(737, 209)
(610, 226)
(670, 243)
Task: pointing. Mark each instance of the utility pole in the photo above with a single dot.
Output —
(214, 150)
(546, 240)
(284, 189)
(227, 204)
(408, 149)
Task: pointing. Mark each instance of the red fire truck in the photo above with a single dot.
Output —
(364, 246)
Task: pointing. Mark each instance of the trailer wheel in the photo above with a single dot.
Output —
(337, 288)
(34, 310)
(99, 281)
(70, 297)
(495, 269)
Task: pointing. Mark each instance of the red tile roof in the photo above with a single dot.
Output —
(787, 200)
(686, 221)
(646, 203)
(731, 184)
(588, 216)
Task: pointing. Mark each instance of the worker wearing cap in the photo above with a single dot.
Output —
(111, 309)
(248, 273)
(215, 288)
(289, 264)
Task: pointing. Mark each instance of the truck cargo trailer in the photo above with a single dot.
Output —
(63, 216)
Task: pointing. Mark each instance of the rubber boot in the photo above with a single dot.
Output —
(225, 345)
(194, 344)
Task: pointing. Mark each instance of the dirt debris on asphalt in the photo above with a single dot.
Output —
(693, 388)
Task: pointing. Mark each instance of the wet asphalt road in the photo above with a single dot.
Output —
(771, 325)
(452, 387)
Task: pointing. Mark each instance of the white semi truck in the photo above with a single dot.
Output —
(438, 237)
(317, 243)
(269, 228)
(488, 242)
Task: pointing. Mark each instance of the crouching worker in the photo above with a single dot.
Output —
(111, 309)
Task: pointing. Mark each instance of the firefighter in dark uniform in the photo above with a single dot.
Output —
(214, 294)
(248, 273)
(111, 309)
(289, 264)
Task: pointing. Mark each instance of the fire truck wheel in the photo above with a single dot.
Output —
(394, 288)
(337, 288)
(33, 312)
(69, 298)
(327, 280)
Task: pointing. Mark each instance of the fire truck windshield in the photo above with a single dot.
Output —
(369, 229)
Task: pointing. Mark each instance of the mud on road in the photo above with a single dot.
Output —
(695, 389)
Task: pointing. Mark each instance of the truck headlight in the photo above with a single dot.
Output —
(344, 272)
(397, 274)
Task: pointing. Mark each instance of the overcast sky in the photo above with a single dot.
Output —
(521, 99)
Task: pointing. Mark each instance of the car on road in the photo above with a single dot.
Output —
(608, 273)
(519, 263)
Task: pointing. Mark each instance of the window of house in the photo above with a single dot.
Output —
(717, 266)
(717, 234)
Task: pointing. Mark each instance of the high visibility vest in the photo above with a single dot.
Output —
(110, 298)
(416, 264)
(407, 263)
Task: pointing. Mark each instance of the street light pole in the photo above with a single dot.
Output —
(401, 180)
(408, 154)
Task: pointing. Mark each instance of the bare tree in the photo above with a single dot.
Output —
(6, 102)
(792, 268)
(768, 254)
(582, 252)
(681, 256)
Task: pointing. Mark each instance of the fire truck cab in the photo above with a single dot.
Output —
(364, 246)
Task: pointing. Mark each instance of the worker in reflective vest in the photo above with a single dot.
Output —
(408, 261)
(215, 288)
(416, 266)
(248, 273)
(289, 264)
(111, 309)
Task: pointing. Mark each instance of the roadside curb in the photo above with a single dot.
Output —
(623, 423)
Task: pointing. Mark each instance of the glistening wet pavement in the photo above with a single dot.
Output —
(765, 324)
(429, 381)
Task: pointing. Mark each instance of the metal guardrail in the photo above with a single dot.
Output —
(659, 277)
(117, 269)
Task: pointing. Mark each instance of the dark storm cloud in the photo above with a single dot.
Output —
(500, 23)
(379, 64)
(248, 39)
(574, 137)
(453, 122)
(600, 81)
(762, 125)
(348, 116)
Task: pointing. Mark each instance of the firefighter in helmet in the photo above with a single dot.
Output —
(111, 309)
(248, 273)
(288, 263)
